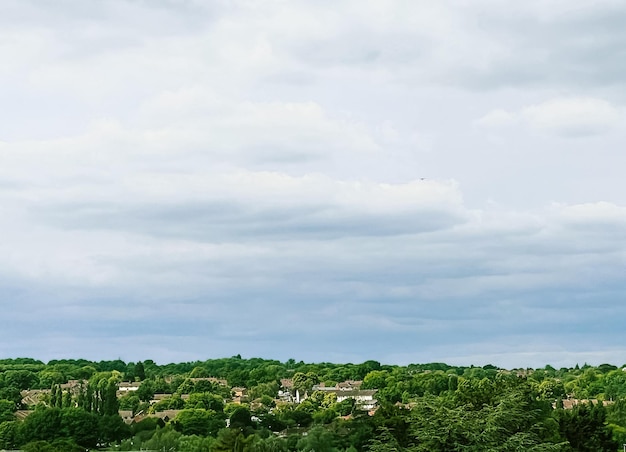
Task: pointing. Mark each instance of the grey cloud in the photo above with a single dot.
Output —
(148, 230)
(229, 220)
(577, 49)
(487, 47)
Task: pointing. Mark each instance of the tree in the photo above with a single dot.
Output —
(304, 382)
(42, 425)
(195, 443)
(240, 418)
(53, 395)
(140, 372)
(8, 434)
(230, 440)
(7, 408)
(585, 429)
(67, 399)
(163, 439)
(110, 403)
(551, 389)
(11, 393)
(269, 444)
(193, 422)
(205, 401)
(317, 440)
(146, 390)
(79, 425)
(130, 401)
(384, 441)
(112, 429)
(21, 379)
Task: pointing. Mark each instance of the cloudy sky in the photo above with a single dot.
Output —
(399, 180)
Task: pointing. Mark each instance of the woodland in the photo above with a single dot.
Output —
(238, 404)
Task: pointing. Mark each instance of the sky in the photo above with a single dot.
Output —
(407, 181)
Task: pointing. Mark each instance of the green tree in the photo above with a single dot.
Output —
(80, 426)
(240, 418)
(304, 382)
(7, 408)
(110, 403)
(195, 443)
(146, 390)
(112, 429)
(585, 428)
(42, 425)
(140, 372)
(163, 439)
(130, 401)
(384, 441)
(205, 400)
(193, 422)
(231, 440)
(318, 439)
(21, 379)
(8, 435)
(269, 444)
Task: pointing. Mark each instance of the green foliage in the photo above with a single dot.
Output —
(7, 408)
(304, 382)
(79, 425)
(112, 429)
(585, 429)
(318, 439)
(175, 402)
(146, 424)
(164, 439)
(195, 443)
(452, 408)
(21, 379)
(42, 425)
(194, 422)
(206, 401)
(240, 418)
(269, 444)
(146, 390)
(8, 435)
(384, 441)
(508, 418)
(130, 401)
(60, 445)
(231, 440)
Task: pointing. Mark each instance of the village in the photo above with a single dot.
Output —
(158, 405)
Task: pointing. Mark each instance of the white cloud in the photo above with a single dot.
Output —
(314, 173)
(496, 118)
(573, 116)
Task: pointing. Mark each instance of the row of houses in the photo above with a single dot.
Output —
(349, 389)
(365, 399)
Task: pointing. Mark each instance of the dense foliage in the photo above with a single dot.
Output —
(233, 404)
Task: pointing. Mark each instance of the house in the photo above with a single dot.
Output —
(158, 397)
(74, 385)
(218, 381)
(126, 415)
(364, 397)
(126, 386)
(348, 385)
(165, 416)
(34, 396)
(285, 393)
(568, 404)
(20, 415)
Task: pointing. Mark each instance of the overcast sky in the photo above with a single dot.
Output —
(406, 181)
